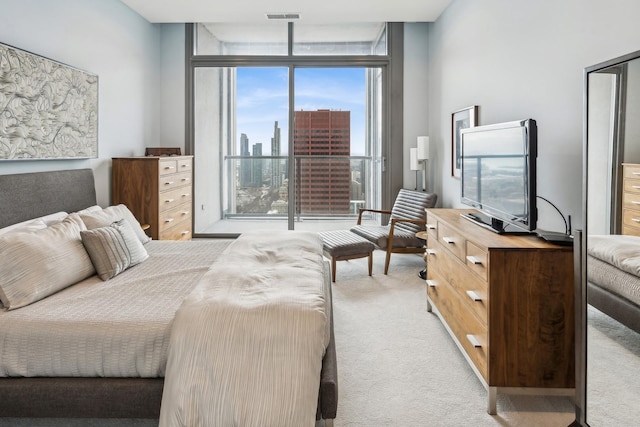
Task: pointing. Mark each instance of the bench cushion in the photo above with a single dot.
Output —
(343, 242)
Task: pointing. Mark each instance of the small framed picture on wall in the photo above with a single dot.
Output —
(461, 119)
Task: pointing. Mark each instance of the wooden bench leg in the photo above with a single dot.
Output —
(333, 269)
(370, 263)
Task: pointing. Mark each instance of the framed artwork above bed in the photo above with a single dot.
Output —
(48, 110)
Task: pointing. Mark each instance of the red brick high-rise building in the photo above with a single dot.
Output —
(324, 183)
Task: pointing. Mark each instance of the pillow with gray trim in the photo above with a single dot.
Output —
(113, 248)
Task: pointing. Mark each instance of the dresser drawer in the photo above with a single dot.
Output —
(452, 240)
(467, 328)
(477, 260)
(180, 231)
(171, 198)
(631, 218)
(184, 165)
(176, 180)
(171, 217)
(632, 185)
(470, 288)
(167, 166)
(631, 200)
(631, 171)
(631, 231)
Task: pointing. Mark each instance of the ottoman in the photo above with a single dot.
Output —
(341, 245)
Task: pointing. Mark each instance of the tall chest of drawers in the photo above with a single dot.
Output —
(631, 199)
(158, 191)
(508, 303)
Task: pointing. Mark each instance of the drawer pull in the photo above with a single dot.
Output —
(474, 260)
(635, 173)
(185, 212)
(185, 195)
(449, 240)
(431, 283)
(169, 200)
(184, 233)
(635, 187)
(474, 296)
(474, 341)
(184, 166)
(430, 252)
(168, 183)
(635, 202)
(430, 227)
(168, 220)
(185, 179)
(635, 219)
(168, 167)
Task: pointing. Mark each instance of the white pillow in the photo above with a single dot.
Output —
(35, 223)
(34, 265)
(94, 208)
(107, 216)
(113, 249)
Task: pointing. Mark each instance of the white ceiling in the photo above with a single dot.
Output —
(316, 11)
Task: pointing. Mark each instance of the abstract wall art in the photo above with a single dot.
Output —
(48, 110)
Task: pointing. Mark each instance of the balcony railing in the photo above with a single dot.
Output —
(326, 186)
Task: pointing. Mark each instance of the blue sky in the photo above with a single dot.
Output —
(262, 98)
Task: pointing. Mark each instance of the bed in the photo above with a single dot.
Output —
(613, 272)
(110, 388)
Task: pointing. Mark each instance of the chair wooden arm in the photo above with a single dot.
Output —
(361, 210)
(393, 224)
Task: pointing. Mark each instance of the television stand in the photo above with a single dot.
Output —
(507, 302)
(493, 224)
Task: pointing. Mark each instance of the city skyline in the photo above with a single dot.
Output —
(262, 99)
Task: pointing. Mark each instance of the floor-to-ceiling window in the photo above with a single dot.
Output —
(287, 125)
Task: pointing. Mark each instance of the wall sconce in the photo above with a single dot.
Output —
(415, 165)
(422, 152)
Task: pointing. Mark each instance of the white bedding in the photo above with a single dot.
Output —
(247, 344)
(621, 252)
(118, 328)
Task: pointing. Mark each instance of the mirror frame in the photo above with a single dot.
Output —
(580, 265)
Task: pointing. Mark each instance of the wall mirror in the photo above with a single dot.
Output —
(611, 245)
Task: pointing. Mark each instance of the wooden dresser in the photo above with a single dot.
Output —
(158, 191)
(507, 301)
(631, 199)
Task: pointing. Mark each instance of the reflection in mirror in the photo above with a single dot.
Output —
(613, 243)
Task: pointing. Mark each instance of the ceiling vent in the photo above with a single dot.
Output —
(284, 16)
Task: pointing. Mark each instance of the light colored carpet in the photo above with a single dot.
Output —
(613, 364)
(398, 366)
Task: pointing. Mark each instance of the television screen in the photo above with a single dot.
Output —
(498, 174)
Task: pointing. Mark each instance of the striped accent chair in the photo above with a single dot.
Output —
(408, 216)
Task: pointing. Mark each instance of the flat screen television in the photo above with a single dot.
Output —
(498, 175)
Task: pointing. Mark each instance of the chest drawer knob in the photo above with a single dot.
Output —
(449, 240)
(168, 183)
(168, 220)
(635, 219)
(474, 296)
(431, 283)
(169, 201)
(430, 227)
(430, 252)
(473, 340)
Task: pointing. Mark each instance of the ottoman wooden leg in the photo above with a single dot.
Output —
(333, 269)
(370, 263)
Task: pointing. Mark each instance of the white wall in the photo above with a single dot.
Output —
(415, 96)
(108, 39)
(518, 59)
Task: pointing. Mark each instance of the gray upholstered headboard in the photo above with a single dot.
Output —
(30, 195)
